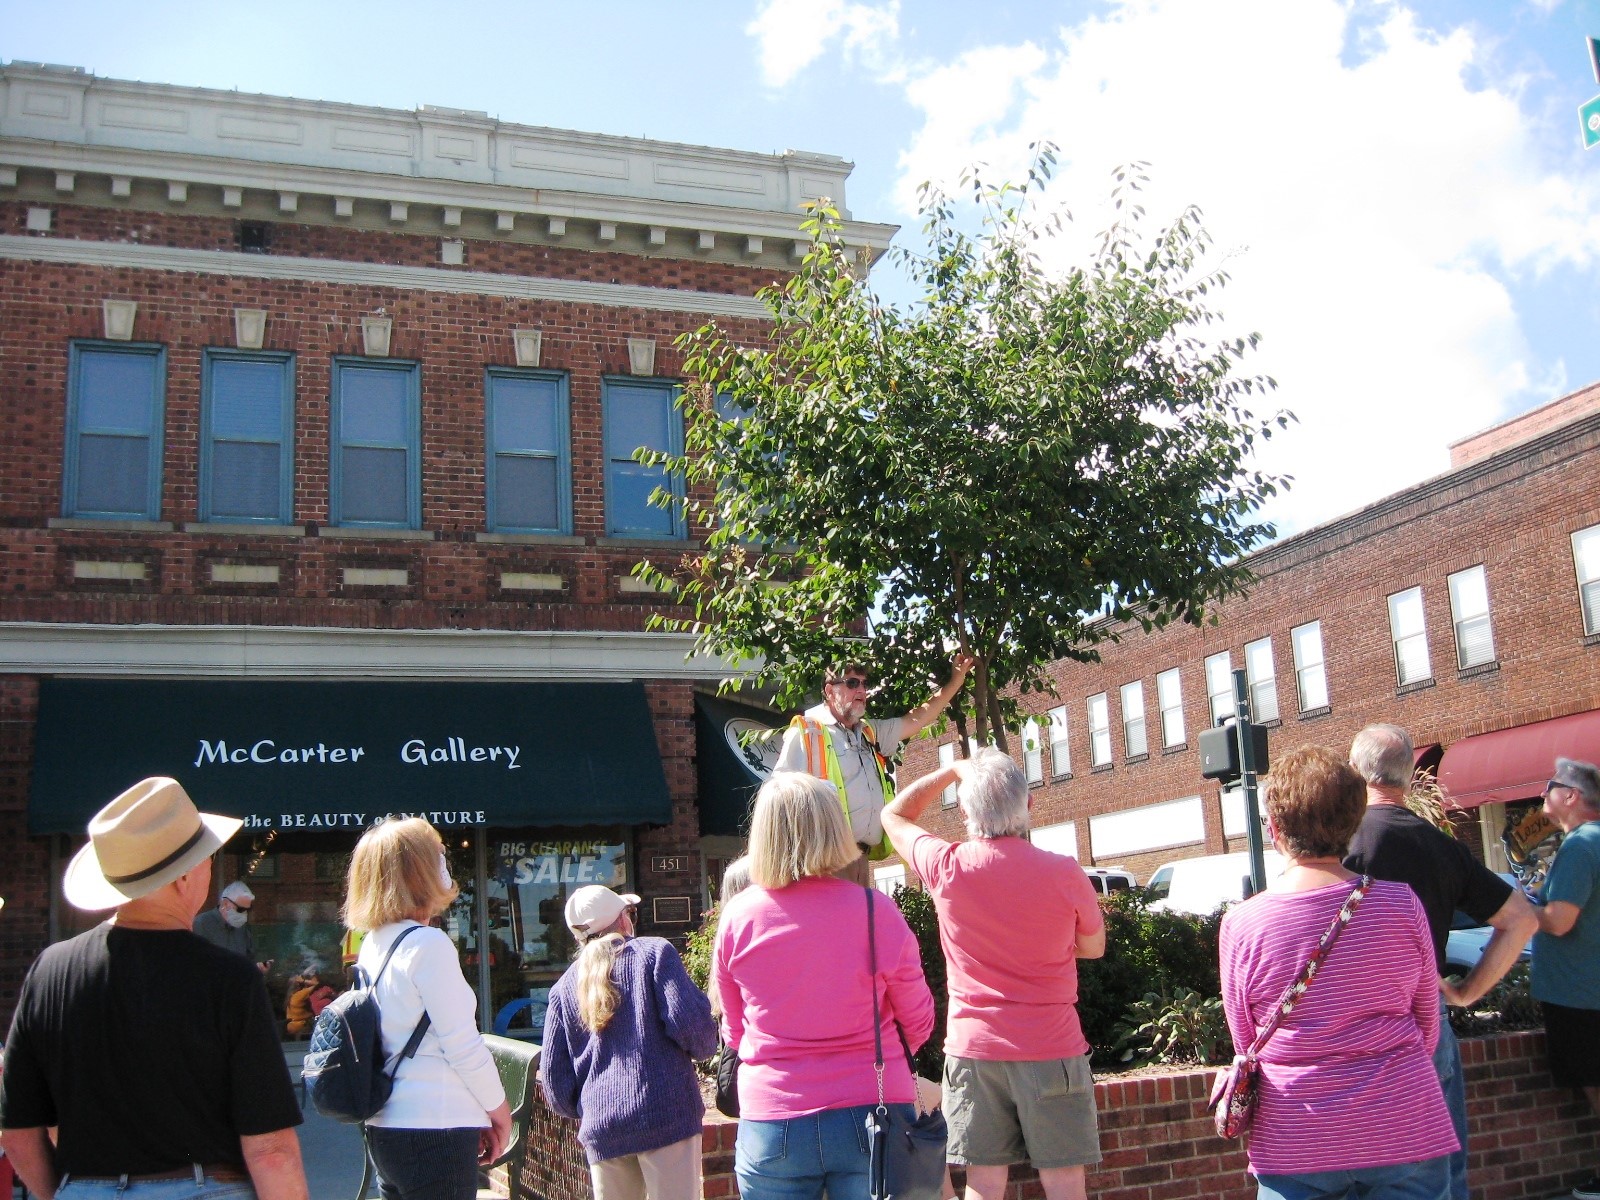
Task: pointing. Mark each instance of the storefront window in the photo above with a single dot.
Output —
(531, 874)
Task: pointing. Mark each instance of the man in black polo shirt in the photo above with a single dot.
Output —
(1394, 843)
(153, 1052)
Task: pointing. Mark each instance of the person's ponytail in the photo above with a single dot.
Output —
(597, 994)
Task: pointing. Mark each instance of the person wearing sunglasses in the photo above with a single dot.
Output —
(834, 741)
(1566, 950)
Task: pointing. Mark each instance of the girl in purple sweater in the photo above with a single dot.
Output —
(624, 1027)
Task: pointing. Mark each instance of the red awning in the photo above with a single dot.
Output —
(1513, 764)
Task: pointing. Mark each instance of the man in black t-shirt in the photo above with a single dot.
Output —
(1394, 843)
(154, 1053)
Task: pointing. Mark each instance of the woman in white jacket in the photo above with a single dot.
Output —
(448, 1111)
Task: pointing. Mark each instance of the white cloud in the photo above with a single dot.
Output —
(791, 34)
(1378, 209)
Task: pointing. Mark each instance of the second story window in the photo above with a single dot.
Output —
(1586, 558)
(1219, 686)
(247, 437)
(1262, 674)
(528, 469)
(1469, 612)
(640, 413)
(376, 477)
(115, 408)
(1060, 752)
(1410, 635)
(1310, 674)
(1134, 742)
(947, 755)
(1169, 698)
(1099, 730)
(1032, 752)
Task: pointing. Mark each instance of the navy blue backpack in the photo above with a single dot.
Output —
(343, 1070)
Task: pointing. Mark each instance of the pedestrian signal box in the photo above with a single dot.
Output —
(1219, 752)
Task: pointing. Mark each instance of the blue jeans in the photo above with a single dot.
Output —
(1425, 1180)
(1447, 1062)
(425, 1164)
(802, 1157)
(155, 1189)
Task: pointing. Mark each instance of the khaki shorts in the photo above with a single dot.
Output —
(1011, 1112)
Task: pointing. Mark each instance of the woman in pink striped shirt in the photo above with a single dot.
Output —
(1349, 1104)
(796, 995)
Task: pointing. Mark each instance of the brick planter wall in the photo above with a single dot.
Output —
(1528, 1140)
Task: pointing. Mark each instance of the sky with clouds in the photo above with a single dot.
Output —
(1398, 189)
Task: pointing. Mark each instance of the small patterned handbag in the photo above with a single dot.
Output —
(1234, 1093)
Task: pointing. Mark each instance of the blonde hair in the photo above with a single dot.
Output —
(597, 993)
(394, 874)
(798, 829)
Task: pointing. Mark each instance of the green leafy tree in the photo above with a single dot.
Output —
(1016, 467)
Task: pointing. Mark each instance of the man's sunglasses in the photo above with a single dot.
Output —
(852, 684)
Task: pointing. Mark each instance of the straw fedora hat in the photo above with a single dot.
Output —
(142, 841)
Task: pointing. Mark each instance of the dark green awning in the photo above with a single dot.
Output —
(312, 756)
(731, 768)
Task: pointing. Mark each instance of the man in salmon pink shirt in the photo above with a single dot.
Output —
(1013, 920)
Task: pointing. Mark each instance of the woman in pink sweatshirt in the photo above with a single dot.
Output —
(796, 994)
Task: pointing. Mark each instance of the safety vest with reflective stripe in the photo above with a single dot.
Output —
(822, 760)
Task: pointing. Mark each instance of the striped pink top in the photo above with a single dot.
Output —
(1347, 1081)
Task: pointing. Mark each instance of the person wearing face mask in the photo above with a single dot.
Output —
(228, 924)
(833, 741)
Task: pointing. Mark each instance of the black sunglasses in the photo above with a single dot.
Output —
(852, 684)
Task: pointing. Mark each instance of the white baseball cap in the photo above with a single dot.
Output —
(594, 908)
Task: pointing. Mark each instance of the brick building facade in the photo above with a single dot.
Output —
(344, 398)
(1466, 608)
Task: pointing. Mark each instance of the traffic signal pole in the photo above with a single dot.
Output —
(1247, 782)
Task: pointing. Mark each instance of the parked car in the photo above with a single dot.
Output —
(1463, 947)
(1202, 885)
(1111, 879)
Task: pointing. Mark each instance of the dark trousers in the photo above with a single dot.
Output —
(425, 1164)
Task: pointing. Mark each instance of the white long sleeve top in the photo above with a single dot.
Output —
(451, 1082)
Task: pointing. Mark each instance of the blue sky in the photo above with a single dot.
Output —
(1398, 189)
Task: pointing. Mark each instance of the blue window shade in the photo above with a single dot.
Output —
(640, 413)
(529, 467)
(376, 475)
(115, 405)
(246, 437)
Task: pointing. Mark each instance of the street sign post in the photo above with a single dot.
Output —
(1589, 114)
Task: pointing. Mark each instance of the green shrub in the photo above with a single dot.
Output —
(1508, 1005)
(697, 948)
(1146, 952)
(917, 908)
(1181, 1028)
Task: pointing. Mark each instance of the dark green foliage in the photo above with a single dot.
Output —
(1145, 952)
(917, 908)
(697, 949)
(1182, 1028)
(1508, 1005)
(1028, 461)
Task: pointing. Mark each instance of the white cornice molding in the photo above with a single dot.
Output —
(193, 170)
(280, 652)
(69, 120)
(327, 270)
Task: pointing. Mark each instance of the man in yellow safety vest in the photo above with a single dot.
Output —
(833, 741)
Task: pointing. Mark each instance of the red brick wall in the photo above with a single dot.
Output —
(453, 579)
(1529, 425)
(1514, 514)
(1527, 1140)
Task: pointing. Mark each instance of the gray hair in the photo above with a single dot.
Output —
(1581, 777)
(1384, 754)
(736, 878)
(995, 798)
(237, 890)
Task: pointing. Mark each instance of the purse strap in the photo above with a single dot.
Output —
(1293, 993)
(877, 1020)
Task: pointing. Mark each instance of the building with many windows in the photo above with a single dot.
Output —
(1466, 608)
(317, 427)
